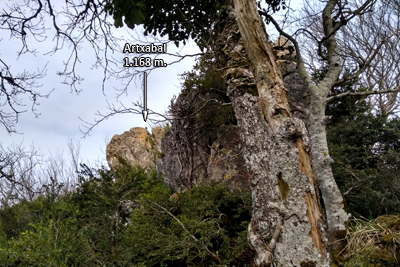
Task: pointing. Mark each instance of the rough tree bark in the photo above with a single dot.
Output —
(285, 165)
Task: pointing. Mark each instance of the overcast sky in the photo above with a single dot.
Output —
(59, 120)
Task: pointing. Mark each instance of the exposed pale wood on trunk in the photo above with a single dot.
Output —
(286, 227)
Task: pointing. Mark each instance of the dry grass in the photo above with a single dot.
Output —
(374, 240)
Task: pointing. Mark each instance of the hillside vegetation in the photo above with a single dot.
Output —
(130, 217)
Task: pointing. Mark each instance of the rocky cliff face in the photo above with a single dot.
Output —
(137, 147)
(226, 163)
(221, 162)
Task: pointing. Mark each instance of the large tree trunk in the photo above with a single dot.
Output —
(287, 228)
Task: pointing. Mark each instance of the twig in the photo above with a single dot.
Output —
(330, 99)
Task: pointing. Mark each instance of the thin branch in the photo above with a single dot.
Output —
(349, 93)
(187, 231)
(367, 63)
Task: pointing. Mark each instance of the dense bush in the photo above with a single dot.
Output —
(128, 217)
(366, 150)
(205, 226)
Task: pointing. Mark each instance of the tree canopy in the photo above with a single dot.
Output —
(179, 19)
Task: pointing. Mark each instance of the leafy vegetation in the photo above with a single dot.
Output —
(180, 19)
(128, 217)
(366, 150)
(211, 106)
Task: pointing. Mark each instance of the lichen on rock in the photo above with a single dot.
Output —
(137, 147)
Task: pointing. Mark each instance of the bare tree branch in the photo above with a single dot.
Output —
(112, 110)
(349, 93)
(17, 166)
(25, 174)
(368, 38)
(12, 88)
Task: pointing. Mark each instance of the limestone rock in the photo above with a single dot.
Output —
(176, 173)
(221, 162)
(137, 146)
(169, 165)
(297, 88)
(284, 48)
(226, 162)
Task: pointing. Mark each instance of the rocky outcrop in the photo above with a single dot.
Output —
(226, 163)
(182, 166)
(284, 49)
(137, 147)
(221, 162)
(169, 165)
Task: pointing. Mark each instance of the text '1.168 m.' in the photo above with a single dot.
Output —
(144, 62)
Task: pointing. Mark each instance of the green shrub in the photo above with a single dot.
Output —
(192, 228)
(205, 226)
